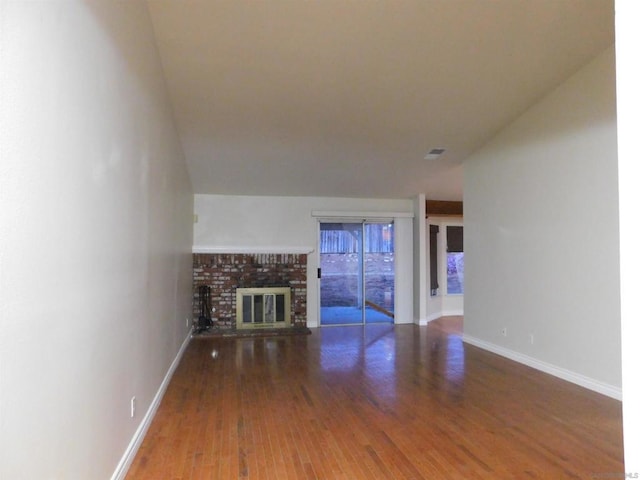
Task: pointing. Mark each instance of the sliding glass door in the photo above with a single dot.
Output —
(379, 273)
(357, 269)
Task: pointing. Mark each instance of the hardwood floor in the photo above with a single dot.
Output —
(379, 402)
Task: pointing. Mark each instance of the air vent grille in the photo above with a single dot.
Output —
(434, 153)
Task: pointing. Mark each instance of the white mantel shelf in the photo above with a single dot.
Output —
(329, 214)
(249, 250)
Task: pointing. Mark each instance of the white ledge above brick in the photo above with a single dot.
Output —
(360, 215)
(246, 249)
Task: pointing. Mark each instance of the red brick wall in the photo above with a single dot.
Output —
(226, 272)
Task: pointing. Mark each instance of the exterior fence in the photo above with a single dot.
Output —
(345, 238)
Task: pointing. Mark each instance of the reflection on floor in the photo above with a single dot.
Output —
(373, 402)
(351, 316)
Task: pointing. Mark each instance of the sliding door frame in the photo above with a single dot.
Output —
(362, 276)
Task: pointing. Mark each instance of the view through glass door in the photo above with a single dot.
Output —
(357, 268)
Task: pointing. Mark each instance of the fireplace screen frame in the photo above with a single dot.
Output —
(264, 304)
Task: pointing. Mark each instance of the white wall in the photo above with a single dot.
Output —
(228, 223)
(541, 234)
(95, 235)
(628, 104)
(404, 284)
(420, 261)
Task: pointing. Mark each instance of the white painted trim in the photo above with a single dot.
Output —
(420, 248)
(363, 215)
(130, 453)
(434, 316)
(403, 322)
(249, 250)
(403, 275)
(443, 313)
(563, 373)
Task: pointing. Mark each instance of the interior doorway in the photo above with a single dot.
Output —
(357, 272)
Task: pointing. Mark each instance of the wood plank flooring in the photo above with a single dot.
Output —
(380, 402)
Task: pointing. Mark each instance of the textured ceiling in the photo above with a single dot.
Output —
(345, 98)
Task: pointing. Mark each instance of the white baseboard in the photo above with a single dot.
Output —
(404, 321)
(130, 453)
(564, 374)
(432, 317)
(440, 314)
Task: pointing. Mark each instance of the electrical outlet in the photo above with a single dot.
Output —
(187, 322)
(503, 332)
(531, 338)
(133, 407)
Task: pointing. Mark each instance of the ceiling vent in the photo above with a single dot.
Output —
(434, 153)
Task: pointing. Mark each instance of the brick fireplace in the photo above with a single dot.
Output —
(224, 273)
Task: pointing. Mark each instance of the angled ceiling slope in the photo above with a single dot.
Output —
(345, 98)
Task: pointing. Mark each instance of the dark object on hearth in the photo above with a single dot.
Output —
(204, 320)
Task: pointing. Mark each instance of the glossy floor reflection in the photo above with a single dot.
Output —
(351, 316)
(374, 402)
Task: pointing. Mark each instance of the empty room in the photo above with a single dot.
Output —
(318, 240)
